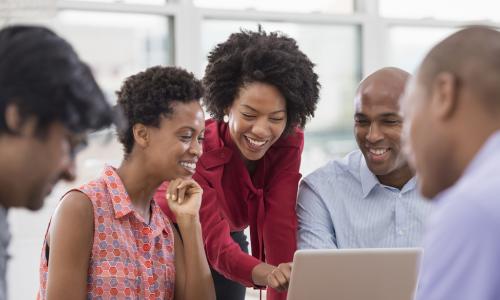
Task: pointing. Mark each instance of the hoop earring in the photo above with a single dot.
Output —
(225, 118)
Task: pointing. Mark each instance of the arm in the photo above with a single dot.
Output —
(71, 238)
(280, 224)
(193, 277)
(224, 254)
(316, 230)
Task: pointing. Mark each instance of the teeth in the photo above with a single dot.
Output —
(188, 165)
(378, 151)
(255, 143)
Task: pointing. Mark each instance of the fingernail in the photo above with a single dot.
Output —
(168, 196)
(173, 197)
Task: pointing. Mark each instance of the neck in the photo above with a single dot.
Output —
(397, 178)
(470, 141)
(139, 184)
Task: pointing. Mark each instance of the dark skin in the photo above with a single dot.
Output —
(450, 110)
(52, 158)
(378, 126)
(257, 119)
(159, 154)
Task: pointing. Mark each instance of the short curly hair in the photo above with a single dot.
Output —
(148, 95)
(272, 58)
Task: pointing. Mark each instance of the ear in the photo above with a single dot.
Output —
(16, 124)
(444, 97)
(141, 135)
(12, 118)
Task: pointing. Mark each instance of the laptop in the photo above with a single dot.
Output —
(355, 274)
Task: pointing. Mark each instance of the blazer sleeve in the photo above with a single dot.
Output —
(280, 224)
(223, 254)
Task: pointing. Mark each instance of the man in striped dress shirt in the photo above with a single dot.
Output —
(368, 199)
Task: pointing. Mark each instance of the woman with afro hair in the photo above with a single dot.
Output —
(260, 91)
(108, 239)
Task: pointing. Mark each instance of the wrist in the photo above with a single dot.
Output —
(260, 273)
(187, 220)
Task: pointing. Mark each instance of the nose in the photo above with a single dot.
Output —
(196, 148)
(261, 128)
(374, 133)
(69, 170)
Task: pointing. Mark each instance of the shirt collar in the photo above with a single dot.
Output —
(218, 147)
(490, 148)
(4, 231)
(369, 180)
(122, 204)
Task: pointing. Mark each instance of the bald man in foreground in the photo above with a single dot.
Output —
(369, 199)
(452, 111)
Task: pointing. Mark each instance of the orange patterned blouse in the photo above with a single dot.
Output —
(130, 259)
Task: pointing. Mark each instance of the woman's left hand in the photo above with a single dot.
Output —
(184, 197)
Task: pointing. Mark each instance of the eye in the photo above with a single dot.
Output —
(201, 139)
(247, 116)
(185, 138)
(361, 122)
(391, 122)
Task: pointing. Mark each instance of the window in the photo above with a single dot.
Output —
(458, 10)
(125, 43)
(408, 45)
(297, 6)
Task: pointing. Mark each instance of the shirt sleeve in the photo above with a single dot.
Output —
(223, 254)
(316, 230)
(461, 255)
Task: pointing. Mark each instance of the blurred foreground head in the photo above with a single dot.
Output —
(452, 106)
(49, 100)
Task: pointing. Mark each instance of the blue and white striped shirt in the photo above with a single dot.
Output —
(343, 205)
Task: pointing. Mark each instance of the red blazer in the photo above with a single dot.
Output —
(233, 200)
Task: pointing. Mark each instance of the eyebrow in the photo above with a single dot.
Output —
(253, 109)
(190, 129)
(383, 115)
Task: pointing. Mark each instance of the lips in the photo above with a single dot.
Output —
(255, 144)
(378, 154)
(190, 166)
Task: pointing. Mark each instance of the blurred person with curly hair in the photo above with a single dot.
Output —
(260, 91)
(108, 239)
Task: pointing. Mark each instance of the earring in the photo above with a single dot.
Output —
(225, 118)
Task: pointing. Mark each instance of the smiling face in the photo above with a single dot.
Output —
(175, 146)
(257, 118)
(377, 129)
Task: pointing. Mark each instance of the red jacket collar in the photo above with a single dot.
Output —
(218, 147)
(215, 150)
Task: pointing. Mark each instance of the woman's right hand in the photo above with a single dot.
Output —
(184, 198)
(279, 277)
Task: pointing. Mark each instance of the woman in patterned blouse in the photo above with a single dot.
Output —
(107, 238)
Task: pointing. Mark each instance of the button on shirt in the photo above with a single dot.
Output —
(462, 245)
(343, 205)
(4, 244)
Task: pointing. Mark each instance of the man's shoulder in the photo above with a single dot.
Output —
(472, 202)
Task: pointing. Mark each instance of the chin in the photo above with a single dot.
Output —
(35, 204)
(254, 156)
